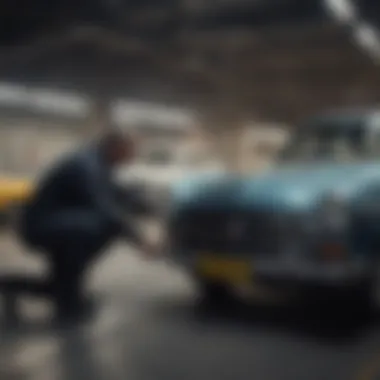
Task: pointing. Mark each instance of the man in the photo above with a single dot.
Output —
(74, 216)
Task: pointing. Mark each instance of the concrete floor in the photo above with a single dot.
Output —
(150, 327)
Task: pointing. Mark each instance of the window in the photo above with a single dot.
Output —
(336, 145)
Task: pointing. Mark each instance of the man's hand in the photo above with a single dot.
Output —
(153, 244)
(151, 251)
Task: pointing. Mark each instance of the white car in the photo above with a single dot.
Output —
(157, 171)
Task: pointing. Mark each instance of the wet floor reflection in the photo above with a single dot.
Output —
(170, 336)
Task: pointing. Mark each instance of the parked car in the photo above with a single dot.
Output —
(310, 225)
(14, 192)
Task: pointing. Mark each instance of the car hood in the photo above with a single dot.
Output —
(293, 187)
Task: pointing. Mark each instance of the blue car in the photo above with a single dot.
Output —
(309, 226)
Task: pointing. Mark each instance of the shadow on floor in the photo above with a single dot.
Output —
(295, 318)
(78, 356)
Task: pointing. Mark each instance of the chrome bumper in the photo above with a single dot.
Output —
(327, 274)
(295, 272)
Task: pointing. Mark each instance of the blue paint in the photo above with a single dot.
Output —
(290, 188)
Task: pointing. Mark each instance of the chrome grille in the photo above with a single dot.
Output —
(226, 231)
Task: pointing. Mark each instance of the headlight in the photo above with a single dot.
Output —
(333, 213)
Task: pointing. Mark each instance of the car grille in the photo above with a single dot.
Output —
(225, 231)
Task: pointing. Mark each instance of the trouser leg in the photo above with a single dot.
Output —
(73, 240)
(67, 284)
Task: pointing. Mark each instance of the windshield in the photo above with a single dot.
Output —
(339, 146)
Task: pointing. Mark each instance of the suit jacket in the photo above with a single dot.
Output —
(79, 181)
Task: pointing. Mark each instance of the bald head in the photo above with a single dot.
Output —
(118, 146)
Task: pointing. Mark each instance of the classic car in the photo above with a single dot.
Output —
(14, 192)
(308, 226)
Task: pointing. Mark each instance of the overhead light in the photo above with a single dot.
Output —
(342, 10)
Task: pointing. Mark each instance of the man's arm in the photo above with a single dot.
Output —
(101, 196)
(134, 200)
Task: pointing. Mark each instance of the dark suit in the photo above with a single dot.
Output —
(73, 216)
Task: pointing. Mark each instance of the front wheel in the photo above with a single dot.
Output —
(363, 300)
(215, 293)
(351, 304)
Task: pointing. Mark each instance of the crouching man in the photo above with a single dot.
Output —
(74, 216)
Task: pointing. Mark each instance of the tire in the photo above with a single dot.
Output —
(362, 300)
(214, 293)
(348, 305)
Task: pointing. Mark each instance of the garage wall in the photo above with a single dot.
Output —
(27, 147)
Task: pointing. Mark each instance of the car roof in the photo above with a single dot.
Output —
(345, 119)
